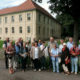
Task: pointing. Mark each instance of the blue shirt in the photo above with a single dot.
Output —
(69, 45)
(79, 46)
(17, 49)
(54, 52)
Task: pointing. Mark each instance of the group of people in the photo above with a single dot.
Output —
(63, 56)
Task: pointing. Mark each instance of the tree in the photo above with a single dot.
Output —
(67, 25)
(68, 7)
(40, 1)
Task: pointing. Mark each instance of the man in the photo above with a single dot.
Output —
(43, 60)
(51, 43)
(50, 46)
(5, 45)
(70, 43)
(39, 43)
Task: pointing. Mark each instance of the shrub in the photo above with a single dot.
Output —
(1, 43)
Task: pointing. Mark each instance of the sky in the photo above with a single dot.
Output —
(11, 3)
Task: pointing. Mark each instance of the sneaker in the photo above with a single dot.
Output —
(75, 73)
(35, 70)
(39, 70)
(72, 72)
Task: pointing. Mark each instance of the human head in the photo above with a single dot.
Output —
(61, 41)
(43, 43)
(40, 41)
(74, 45)
(54, 46)
(51, 39)
(64, 45)
(7, 39)
(11, 43)
(33, 44)
(36, 43)
(16, 43)
(71, 39)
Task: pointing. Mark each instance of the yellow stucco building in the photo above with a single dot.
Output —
(28, 21)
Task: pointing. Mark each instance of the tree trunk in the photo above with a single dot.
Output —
(76, 32)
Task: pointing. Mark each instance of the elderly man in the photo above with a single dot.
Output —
(50, 46)
(51, 43)
(70, 43)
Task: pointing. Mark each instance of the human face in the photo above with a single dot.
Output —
(71, 40)
(36, 44)
(64, 46)
(74, 45)
(62, 41)
(51, 39)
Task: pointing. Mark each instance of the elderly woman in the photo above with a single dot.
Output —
(54, 57)
(65, 59)
(74, 58)
(10, 51)
(35, 54)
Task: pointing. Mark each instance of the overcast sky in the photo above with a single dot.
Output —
(11, 3)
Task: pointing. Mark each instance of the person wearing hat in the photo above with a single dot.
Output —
(65, 59)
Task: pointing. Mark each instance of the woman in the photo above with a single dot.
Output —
(10, 51)
(35, 54)
(54, 57)
(74, 58)
(65, 59)
(23, 54)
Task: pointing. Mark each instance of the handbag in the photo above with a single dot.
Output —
(67, 61)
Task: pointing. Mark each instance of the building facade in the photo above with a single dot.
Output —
(28, 21)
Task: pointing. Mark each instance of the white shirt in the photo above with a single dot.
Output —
(60, 47)
(42, 47)
(69, 45)
(36, 53)
(4, 45)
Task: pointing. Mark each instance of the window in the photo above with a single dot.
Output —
(28, 16)
(12, 29)
(39, 17)
(20, 17)
(12, 18)
(0, 20)
(44, 19)
(0, 30)
(5, 19)
(20, 29)
(6, 30)
(28, 29)
(39, 29)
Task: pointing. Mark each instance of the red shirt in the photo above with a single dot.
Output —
(74, 51)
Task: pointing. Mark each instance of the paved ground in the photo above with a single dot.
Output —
(30, 75)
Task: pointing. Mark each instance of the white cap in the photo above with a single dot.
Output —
(64, 44)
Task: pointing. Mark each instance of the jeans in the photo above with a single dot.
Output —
(55, 66)
(74, 64)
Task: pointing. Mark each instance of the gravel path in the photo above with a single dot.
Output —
(30, 75)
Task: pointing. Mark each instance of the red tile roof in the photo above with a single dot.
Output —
(27, 5)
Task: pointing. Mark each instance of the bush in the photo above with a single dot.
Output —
(1, 43)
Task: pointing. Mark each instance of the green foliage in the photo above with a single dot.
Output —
(1, 43)
(67, 24)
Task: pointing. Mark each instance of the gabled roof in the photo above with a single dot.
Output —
(27, 5)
